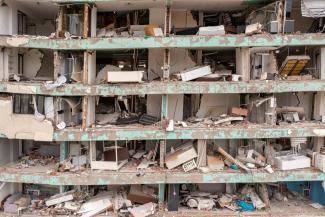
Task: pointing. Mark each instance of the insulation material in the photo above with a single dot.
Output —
(33, 59)
(313, 8)
(22, 126)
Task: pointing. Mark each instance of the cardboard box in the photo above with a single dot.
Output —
(182, 155)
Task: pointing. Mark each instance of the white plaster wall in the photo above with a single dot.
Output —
(4, 24)
(8, 18)
(9, 153)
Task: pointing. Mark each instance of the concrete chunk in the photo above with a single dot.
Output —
(212, 30)
(143, 210)
(60, 198)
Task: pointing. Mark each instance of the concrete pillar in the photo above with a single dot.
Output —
(243, 63)
(8, 154)
(93, 25)
(9, 18)
(319, 106)
(88, 108)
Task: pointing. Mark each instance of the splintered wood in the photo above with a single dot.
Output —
(202, 153)
(231, 159)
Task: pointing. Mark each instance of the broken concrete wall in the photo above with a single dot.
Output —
(289, 99)
(9, 153)
(47, 67)
(22, 126)
(32, 62)
(180, 60)
(217, 104)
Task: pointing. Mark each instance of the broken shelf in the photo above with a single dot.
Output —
(192, 41)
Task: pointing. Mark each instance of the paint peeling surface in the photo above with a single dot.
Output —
(17, 41)
(238, 131)
(195, 42)
(165, 88)
(153, 175)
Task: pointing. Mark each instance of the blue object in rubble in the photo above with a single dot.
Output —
(234, 167)
(244, 206)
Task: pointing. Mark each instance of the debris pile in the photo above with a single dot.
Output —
(140, 202)
(35, 159)
(248, 197)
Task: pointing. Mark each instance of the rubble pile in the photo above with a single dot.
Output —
(35, 159)
(139, 202)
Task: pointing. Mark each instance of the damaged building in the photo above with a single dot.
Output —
(162, 108)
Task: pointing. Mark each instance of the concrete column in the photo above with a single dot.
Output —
(9, 18)
(243, 63)
(319, 106)
(8, 154)
(4, 64)
(88, 108)
(93, 24)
